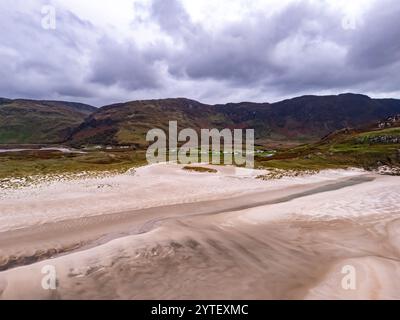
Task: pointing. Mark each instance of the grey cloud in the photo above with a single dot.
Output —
(243, 52)
(377, 44)
(73, 90)
(123, 64)
(320, 53)
(35, 62)
(301, 49)
(170, 15)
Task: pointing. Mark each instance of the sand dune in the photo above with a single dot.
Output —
(165, 233)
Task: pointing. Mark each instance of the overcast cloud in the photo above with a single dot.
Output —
(213, 51)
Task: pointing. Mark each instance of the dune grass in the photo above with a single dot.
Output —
(199, 169)
(32, 163)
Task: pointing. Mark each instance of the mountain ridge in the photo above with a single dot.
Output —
(300, 119)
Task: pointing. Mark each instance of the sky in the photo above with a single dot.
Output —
(214, 51)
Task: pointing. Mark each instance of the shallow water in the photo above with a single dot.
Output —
(64, 150)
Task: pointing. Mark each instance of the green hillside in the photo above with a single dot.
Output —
(35, 122)
(367, 149)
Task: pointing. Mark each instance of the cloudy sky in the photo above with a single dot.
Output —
(215, 51)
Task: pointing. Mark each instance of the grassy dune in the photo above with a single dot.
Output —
(39, 162)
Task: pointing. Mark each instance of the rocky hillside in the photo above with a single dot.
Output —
(299, 120)
(32, 122)
(302, 119)
(373, 147)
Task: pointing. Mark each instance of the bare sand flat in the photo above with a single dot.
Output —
(165, 233)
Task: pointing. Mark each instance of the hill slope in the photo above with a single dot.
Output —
(31, 121)
(302, 119)
(128, 123)
(370, 147)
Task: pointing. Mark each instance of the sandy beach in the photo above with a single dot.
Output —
(160, 232)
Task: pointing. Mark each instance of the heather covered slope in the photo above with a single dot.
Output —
(33, 122)
(128, 123)
(299, 120)
(303, 119)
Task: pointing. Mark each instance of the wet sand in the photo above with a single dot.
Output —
(286, 239)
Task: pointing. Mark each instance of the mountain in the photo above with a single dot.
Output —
(301, 119)
(32, 121)
(128, 123)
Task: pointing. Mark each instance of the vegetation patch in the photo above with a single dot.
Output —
(274, 173)
(199, 169)
(368, 150)
(29, 167)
